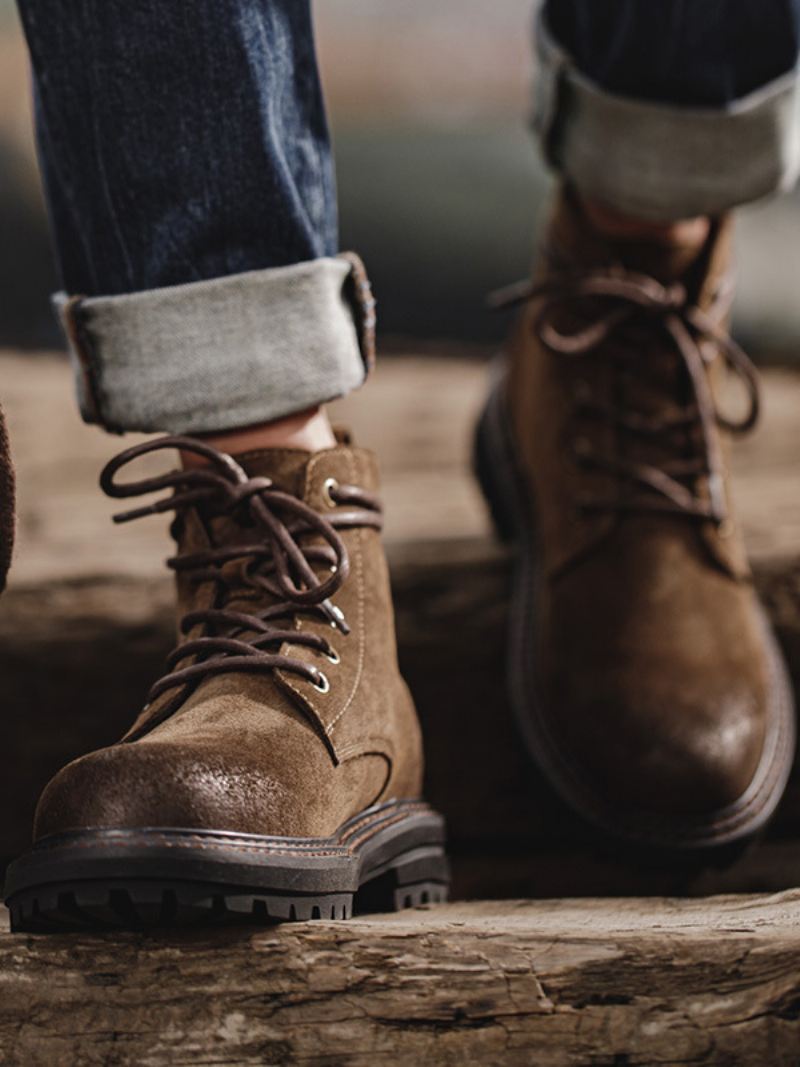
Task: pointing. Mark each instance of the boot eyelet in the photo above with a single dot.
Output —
(322, 685)
(332, 656)
(338, 622)
(330, 485)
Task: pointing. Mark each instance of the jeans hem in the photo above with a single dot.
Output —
(223, 353)
(657, 161)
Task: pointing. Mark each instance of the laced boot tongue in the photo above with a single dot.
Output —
(276, 546)
(652, 383)
(286, 469)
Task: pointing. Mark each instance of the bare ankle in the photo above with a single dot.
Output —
(309, 430)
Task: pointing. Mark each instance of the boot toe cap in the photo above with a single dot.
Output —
(169, 785)
(673, 759)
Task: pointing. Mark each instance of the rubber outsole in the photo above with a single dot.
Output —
(387, 858)
(513, 512)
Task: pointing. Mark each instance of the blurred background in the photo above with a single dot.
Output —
(441, 188)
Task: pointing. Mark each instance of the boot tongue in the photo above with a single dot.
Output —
(573, 242)
(666, 263)
(657, 384)
(286, 467)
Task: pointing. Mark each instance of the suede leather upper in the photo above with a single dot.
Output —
(653, 664)
(267, 753)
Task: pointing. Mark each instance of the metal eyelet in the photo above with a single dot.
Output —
(338, 622)
(322, 685)
(329, 485)
(332, 656)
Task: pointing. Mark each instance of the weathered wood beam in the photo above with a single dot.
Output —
(551, 983)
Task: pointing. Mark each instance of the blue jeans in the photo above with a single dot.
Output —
(706, 54)
(176, 146)
(190, 184)
(191, 194)
(666, 109)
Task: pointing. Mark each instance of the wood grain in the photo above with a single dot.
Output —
(417, 414)
(551, 983)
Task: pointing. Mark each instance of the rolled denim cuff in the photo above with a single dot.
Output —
(662, 162)
(223, 353)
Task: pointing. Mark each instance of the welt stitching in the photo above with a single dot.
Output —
(349, 842)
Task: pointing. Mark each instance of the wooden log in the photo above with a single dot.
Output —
(551, 983)
(76, 659)
(418, 415)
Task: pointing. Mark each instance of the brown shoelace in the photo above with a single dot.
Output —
(634, 298)
(279, 564)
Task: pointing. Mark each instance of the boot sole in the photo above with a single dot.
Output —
(512, 508)
(386, 858)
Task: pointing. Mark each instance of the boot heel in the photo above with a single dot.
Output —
(411, 896)
(419, 877)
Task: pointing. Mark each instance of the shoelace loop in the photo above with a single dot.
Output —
(633, 296)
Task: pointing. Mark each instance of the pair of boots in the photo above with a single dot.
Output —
(276, 770)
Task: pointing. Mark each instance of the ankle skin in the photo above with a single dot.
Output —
(307, 430)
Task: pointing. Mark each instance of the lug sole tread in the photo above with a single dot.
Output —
(143, 905)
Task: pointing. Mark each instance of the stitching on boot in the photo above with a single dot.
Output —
(362, 639)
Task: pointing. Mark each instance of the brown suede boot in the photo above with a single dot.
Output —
(276, 770)
(643, 672)
(6, 503)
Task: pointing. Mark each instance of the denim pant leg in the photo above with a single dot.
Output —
(668, 109)
(188, 171)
